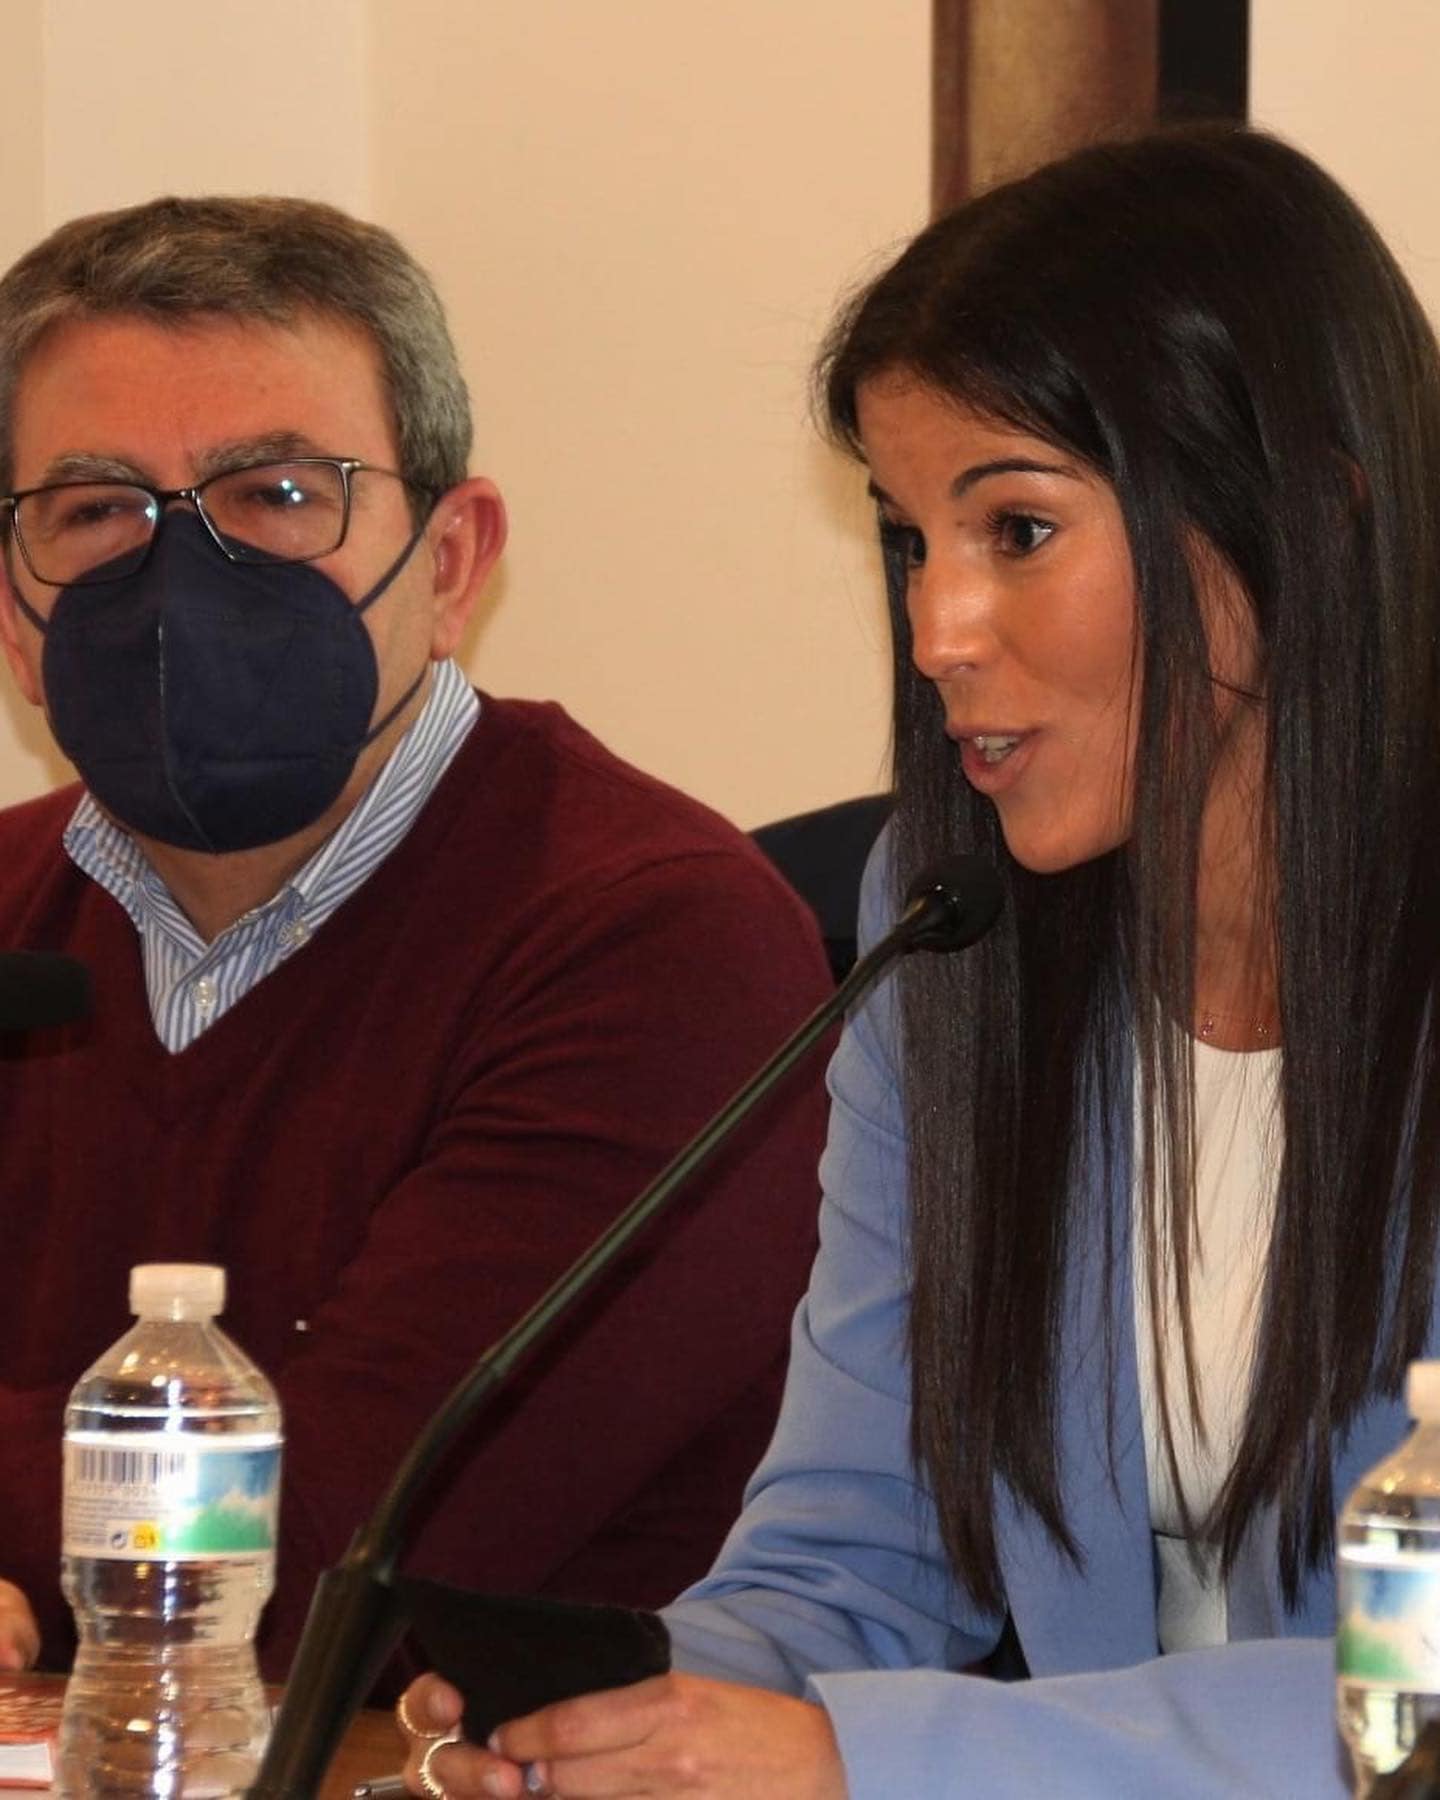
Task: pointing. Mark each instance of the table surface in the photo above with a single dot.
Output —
(372, 1746)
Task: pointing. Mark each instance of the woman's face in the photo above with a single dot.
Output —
(1021, 598)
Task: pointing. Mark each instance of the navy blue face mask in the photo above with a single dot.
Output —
(214, 705)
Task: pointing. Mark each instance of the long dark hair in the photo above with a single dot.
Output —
(1208, 321)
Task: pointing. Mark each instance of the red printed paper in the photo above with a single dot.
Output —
(29, 1722)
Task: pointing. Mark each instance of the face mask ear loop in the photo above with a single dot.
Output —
(369, 600)
(399, 707)
(41, 625)
(10, 546)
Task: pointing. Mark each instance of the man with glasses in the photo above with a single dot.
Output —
(401, 992)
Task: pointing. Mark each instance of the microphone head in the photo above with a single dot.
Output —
(40, 989)
(953, 902)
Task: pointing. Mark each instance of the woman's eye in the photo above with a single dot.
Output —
(1018, 534)
(903, 543)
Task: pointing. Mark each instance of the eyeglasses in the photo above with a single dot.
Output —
(84, 533)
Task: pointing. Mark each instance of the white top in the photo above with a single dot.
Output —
(177, 1290)
(1237, 1165)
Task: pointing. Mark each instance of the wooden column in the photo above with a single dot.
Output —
(1017, 81)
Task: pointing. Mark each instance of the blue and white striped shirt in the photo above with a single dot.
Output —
(191, 983)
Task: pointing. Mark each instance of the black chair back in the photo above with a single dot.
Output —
(822, 855)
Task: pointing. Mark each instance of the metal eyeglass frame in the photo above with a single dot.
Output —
(345, 466)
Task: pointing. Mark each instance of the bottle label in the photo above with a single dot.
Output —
(1388, 1632)
(142, 1496)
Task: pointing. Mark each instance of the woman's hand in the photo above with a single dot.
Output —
(675, 1735)
(19, 1634)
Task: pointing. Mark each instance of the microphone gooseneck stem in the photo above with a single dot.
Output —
(354, 1617)
(379, 1542)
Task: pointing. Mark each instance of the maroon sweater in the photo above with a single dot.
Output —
(399, 1138)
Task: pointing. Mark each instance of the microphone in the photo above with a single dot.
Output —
(40, 989)
(356, 1614)
(949, 906)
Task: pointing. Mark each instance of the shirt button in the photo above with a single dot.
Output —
(202, 993)
(295, 934)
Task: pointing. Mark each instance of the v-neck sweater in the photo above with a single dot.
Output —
(400, 1137)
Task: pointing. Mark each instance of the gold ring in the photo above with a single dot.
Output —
(408, 1725)
(426, 1777)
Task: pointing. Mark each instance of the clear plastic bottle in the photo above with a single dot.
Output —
(1387, 1648)
(172, 1476)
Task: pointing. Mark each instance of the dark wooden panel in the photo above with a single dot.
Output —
(1016, 81)
(1204, 58)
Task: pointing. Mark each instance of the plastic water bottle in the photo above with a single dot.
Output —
(1387, 1649)
(172, 1479)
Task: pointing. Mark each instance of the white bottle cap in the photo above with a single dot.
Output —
(177, 1290)
(1422, 1391)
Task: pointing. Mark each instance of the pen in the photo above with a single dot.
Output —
(381, 1787)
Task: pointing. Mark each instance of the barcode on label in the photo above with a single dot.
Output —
(112, 1467)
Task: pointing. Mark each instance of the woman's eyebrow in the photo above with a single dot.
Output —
(1008, 465)
(1001, 465)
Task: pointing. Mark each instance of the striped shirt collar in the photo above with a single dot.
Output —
(191, 983)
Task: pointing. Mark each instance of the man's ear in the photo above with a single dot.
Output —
(19, 639)
(466, 536)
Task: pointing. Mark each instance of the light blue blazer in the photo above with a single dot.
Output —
(833, 1583)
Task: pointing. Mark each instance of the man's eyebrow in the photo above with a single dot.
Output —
(219, 459)
(244, 453)
(88, 465)
(1002, 465)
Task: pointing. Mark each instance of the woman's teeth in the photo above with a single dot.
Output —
(995, 749)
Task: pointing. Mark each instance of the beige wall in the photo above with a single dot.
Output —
(1355, 86)
(22, 120)
(639, 215)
